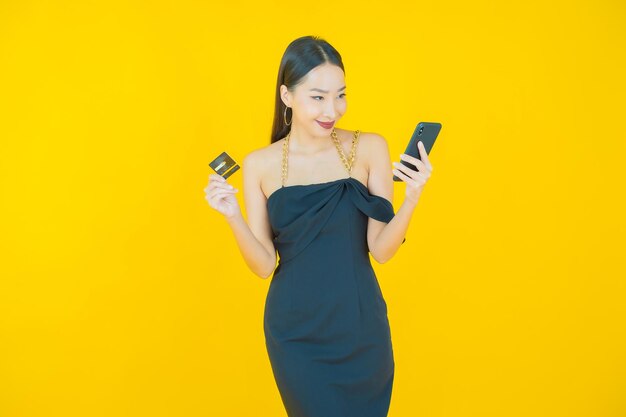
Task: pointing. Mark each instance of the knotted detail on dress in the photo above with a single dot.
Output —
(294, 237)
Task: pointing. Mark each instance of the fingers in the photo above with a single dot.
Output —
(424, 155)
(226, 186)
(410, 176)
(216, 177)
(221, 194)
(215, 198)
(217, 181)
(422, 173)
(423, 164)
(412, 160)
(403, 172)
(218, 191)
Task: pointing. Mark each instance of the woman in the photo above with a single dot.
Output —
(325, 321)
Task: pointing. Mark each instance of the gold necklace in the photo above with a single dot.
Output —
(333, 135)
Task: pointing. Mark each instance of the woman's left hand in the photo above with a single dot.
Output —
(415, 180)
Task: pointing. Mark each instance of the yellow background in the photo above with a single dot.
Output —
(122, 293)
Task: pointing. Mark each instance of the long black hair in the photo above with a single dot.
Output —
(300, 57)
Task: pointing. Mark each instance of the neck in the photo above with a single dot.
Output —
(307, 143)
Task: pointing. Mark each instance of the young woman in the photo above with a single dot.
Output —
(321, 196)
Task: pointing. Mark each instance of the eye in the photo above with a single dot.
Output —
(316, 97)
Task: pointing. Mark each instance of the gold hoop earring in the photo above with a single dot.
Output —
(285, 116)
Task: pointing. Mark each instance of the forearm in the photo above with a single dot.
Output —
(254, 253)
(390, 238)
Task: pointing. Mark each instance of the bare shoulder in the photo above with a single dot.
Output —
(372, 140)
(367, 140)
(263, 164)
(372, 146)
(259, 159)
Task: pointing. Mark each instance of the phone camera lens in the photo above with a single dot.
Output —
(420, 131)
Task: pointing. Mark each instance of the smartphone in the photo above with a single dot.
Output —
(426, 132)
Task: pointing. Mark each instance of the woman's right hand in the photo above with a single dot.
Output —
(221, 196)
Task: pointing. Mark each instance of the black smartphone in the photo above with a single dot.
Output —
(425, 132)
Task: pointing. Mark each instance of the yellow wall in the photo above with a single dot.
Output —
(122, 293)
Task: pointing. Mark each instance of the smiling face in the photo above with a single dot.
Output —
(320, 98)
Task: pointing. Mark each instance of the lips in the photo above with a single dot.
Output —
(327, 125)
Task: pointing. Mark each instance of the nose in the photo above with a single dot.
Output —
(329, 110)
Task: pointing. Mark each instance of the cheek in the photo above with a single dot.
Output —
(308, 108)
(311, 109)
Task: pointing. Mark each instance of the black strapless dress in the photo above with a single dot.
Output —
(325, 319)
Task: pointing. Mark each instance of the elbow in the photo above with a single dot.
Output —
(262, 273)
(385, 257)
(269, 270)
(266, 275)
(379, 259)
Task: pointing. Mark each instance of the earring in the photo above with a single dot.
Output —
(285, 116)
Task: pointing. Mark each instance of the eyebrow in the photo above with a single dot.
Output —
(324, 91)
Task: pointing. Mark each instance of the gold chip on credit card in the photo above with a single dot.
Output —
(224, 165)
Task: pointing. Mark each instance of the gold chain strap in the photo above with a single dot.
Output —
(333, 134)
(285, 153)
(348, 166)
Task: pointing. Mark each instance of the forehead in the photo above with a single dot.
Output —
(327, 77)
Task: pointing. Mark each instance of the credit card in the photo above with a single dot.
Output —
(224, 165)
